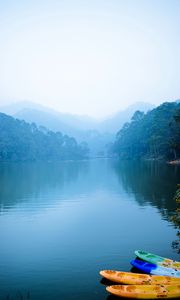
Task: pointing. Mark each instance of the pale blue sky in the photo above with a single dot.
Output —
(89, 57)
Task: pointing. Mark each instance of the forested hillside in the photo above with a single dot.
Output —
(154, 135)
(98, 134)
(21, 141)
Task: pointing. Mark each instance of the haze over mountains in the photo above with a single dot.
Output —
(98, 134)
(55, 120)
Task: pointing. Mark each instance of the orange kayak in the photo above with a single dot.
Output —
(134, 278)
(145, 291)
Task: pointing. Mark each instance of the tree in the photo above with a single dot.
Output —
(150, 135)
(138, 115)
(21, 141)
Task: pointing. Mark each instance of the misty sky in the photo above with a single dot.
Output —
(92, 56)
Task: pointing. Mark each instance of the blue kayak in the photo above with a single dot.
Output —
(154, 269)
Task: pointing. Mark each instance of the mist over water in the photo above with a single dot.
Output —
(61, 223)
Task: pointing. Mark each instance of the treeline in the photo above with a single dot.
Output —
(21, 141)
(154, 135)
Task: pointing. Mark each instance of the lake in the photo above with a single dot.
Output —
(61, 223)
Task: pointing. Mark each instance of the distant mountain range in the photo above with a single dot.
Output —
(114, 123)
(98, 134)
(57, 121)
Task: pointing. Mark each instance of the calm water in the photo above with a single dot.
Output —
(62, 223)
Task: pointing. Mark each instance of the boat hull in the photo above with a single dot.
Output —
(157, 260)
(154, 269)
(145, 291)
(135, 278)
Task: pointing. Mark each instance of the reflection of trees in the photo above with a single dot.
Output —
(19, 180)
(176, 220)
(150, 182)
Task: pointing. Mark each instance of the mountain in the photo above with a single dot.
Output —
(54, 122)
(13, 108)
(115, 122)
(66, 123)
(21, 141)
(37, 113)
(98, 135)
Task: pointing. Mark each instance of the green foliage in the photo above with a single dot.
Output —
(176, 220)
(21, 141)
(154, 135)
(176, 217)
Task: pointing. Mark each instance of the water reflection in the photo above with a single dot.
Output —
(151, 183)
(21, 182)
(61, 223)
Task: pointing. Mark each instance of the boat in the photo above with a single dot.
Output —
(145, 291)
(157, 260)
(135, 278)
(154, 269)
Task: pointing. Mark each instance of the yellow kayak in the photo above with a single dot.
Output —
(145, 291)
(134, 278)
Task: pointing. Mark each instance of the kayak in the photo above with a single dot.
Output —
(158, 260)
(134, 278)
(145, 291)
(154, 269)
